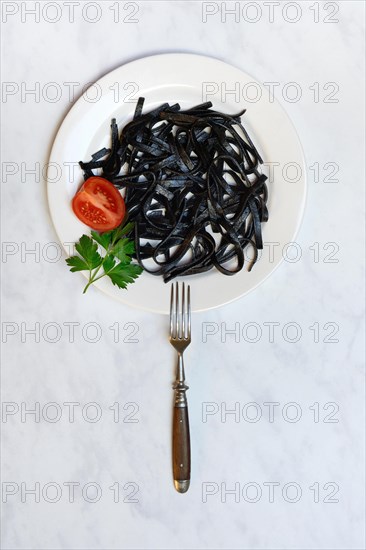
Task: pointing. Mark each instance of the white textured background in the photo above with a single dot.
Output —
(322, 452)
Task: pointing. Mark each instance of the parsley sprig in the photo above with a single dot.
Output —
(116, 262)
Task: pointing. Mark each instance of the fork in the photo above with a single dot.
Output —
(180, 338)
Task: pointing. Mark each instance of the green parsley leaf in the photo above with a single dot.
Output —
(77, 264)
(89, 251)
(121, 275)
(109, 263)
(104, 239)
(123, 250)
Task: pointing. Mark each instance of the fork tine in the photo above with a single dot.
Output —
(189, 311)
(176, 334)
(172, 311)
(183, 313)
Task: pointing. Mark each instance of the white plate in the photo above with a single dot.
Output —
(187, 79)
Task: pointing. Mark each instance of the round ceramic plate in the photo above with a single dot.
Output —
(187, 79)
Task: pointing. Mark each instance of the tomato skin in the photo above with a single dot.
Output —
(99, 204)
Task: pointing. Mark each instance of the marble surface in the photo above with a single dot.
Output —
(284, 468)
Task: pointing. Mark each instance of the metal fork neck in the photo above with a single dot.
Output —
(179, 386)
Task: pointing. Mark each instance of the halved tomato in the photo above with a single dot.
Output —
(99, 204)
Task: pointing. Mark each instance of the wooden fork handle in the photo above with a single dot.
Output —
(181, 440)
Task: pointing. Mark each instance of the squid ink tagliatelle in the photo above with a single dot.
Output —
(192, 185)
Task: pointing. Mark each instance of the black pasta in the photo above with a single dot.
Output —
(193, 186)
